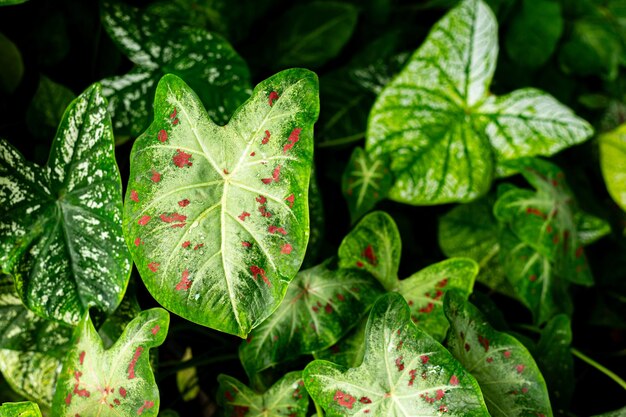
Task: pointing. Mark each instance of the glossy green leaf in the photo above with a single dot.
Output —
(115, 381)
(425, 291)
(46, 109)
(404, 372)
(443, 130)
(365, 181)
(507, 373)
(61, 230)
(321, 305)
(11, 64)
(613, 163)
(22, 409)
(33, 375)
(287, 397)
(204, 60)
(374, 245)
(217, 217)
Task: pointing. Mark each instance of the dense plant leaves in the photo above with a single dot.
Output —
(444, 131)
(61, 231)
(613, 163)
(310, 34)
(115, 381)
(507, 373)
(114, 325)
(21, 409)
(218, 216)
(365, 181)
(349, 351)
(11, 64)
(287, 397)
(317, 223)
(321, 305)
(46, 109)
(425, 291)
(204, 60)
(403, 369)
(374, 245)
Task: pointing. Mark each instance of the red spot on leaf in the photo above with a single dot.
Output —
(155, 329)
(68, 399)
(81, 357)
(246, 244)
(266, 180)
(443, 408)
(286, 249)
(272, 98)
(549, 228)
(184, 283)
(442, 283)
(454, 380)
(328, 308)
(439, 394)
(467, 347)
(122, 392)
(536, 212)
(138, 241)
(178, 220)
(290, 200)
(143, 221)
(183, 203)
(365, 400)
(524, 390)
(424, 359)
(134, 196)
(81, 392)
(173, 114)
(343, 399)
(182, 159)
(294, 137)
(261, 200)
(412, 374)
(579, 252)
(340, 297)
(359, 264)
(243, 215)
(399, 364)
(256, 271)
(146, 405)
(162, 135)
(489, 359)
(225, 171)
(266, 138)
(116, 401)
(186, 244)
(131, 366)
(276, 229)
(240, 411)
(198, 246)
(77, 375)
(507, 354)
(520, 368)
(429, 308)
(252, 153)
(369, 255)
(153, 266)
(484, 342)
(532, 278)
(156, 177)
(228, 396)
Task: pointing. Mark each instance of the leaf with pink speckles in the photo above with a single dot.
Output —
(22, 409)
(241, 234)
(114, 381)
(403, 369)
(507, 373)
(287, 397)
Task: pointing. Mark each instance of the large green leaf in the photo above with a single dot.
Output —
(404, 372)
(441, 127)
(61, 227)
(321, 305)
(287, 397)
(374, 245)
(613, 163)
(204, 60)
(365, 181)
(217, 217)
(115, 381)
(23, 409)
(46, 109)
(33, 375)
(507, 373)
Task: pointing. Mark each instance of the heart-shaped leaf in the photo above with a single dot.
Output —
(115, 381)
(321, 305)
(613, 163)
(61, 228)
(22, 409)
(507, 373)
(365, 181)
(403, 369)
(287, 397)
(204, 60)
(443, 130)
(374, 245)
(218, 216)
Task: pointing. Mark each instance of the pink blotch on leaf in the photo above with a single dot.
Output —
(182, 159)
(131, 365)
(184, 283)
(228, 396)
(153, 266)
(294, 137)
(290, 200)
(359, 264)
(134, 196)
(520, 368)
(266, 138)
(122, 392)
(276, 229)
(454, 380)
(156, 177)
(155, 329)
(272, 98)
(243, 215)
(146, 405)
(143, 220)
(412, 374)
(183, 203)
(81, 357)
(425, 359)
(343, 399)
(429, 308)
(507, 354)
(399, 364)
(484, 342)
(246, 244)
(286, 249)
(138, 241)
(256, 271)
(440, 394)
(186, 244)
(162, 136)
(68, 399)
(198, 246)
(261, 200)
(370, 256)
(81, 392)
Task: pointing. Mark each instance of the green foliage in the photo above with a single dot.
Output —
(613, 163)
(23, 409)
(12, 67)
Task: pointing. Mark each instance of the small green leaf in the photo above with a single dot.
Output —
(365, 181)
(46, 110)
(403, 369)
(217, 215)
(23, 409)
(507, 373)
(61, 230)
(116, 381)
(187, 379)
(285, 397)
(613, 163)
(321, 306)
(204, 60)
(11, 64)
(11, 2)
(349, 351)
(374, 245)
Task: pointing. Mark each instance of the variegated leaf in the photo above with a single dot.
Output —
(22, 409)
(115, 381)
(507, 373)
(61, 232)
(217, 217)
(287, 397)
(321, 305)
(613, 163)
(31, 374)
(404, 372)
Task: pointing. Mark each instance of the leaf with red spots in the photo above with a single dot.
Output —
(374, 245)
(287, 397)
(225, 209)
(506, 372)
(394, 377)
(114, 381)
(321, 305)
(60, 225)
(206, 61)
(21, 409)
(365, 181)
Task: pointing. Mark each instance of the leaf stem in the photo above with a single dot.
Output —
(342, 141)
(318, 410)
(599, 367)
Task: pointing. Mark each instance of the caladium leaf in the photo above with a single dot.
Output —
(403, 369)
(33, 375)
(374, 245)
(215, 216)
(321, 305)
(507, 373)
(365, 181)
(21, 409)
(115, 381)
(349, 351)
(613, 163)
(287, 397)
(443, 130)
(204, 60)
(61, 231)
(46, 109)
